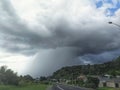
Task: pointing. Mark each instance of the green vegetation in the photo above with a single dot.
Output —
(9, 80)
(105, 88)
(29, 87)
(72, 73)
(92, 82)
(112, 68)
(7, 76)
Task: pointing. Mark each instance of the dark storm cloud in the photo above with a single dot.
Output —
(13, 32)
(86, 40)
(65, 43)
(6, 6)
(99, 58)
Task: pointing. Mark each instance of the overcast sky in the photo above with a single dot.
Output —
(37, 37)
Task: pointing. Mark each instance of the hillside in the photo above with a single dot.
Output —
(112, 68)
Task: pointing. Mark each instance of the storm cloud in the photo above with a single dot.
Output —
(58, 33)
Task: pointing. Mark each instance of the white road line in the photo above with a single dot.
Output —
(60, 87)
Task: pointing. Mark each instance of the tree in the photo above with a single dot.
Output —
(28, 78)
(11, 77)
(3, 69)
(7, 76)
(92, 82)
(43, 78)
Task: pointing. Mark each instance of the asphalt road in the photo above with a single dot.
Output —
(65, 87)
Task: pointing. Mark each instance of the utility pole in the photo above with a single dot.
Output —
(114, 23)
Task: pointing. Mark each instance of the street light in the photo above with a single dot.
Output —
(114, 24)
(110, 22)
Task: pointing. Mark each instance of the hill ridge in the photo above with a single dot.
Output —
(111, 67)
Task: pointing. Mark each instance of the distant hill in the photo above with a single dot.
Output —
(112, 68)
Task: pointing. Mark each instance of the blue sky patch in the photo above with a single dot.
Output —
(99, 4)
(109, 11)
(108, 1)
(114, 9)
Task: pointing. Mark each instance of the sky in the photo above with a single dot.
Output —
(38, 37)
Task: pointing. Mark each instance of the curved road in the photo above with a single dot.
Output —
(65, 87)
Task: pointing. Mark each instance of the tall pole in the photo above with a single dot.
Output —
(114, 24)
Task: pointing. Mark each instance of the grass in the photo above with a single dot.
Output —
(29, 87)
(106, 88)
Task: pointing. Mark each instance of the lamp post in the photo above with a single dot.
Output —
(114, 24)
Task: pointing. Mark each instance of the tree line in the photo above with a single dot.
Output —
(91, 72)
(9, 77)
(111, 68)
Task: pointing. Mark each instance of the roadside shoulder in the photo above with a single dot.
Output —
(49, 87)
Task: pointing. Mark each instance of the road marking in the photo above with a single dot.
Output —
(60, 87)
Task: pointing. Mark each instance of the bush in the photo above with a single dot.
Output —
(45, 82)
(92, 82)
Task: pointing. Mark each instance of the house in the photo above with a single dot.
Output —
(82, 77)
(109, 82)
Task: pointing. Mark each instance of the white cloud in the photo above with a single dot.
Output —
(40, 11)
(16, 62)
(37, 14)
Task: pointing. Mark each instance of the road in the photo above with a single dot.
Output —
(66, 87)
